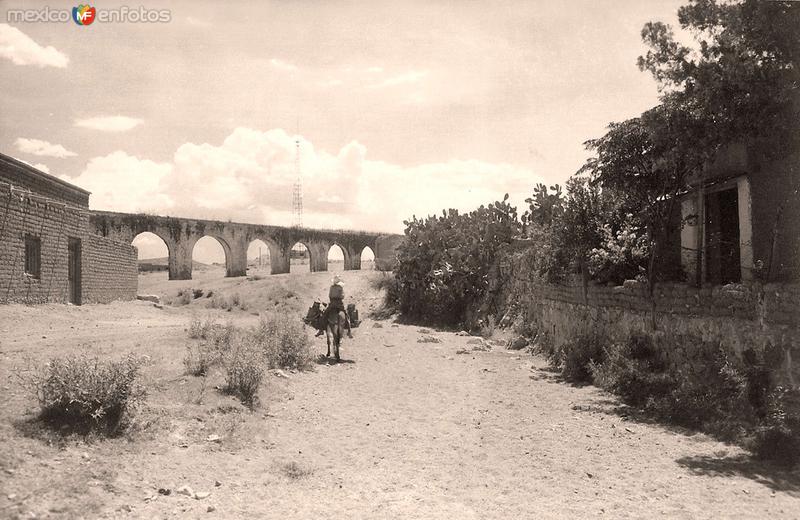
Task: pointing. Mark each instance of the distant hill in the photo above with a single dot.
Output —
(162, 264)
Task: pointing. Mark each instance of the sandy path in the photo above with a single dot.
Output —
(402, 430)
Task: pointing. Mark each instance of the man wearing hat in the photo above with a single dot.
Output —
(336, 297)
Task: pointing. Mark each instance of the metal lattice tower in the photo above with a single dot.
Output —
(297, 193)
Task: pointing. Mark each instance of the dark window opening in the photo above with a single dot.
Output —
(722, 237)
(33, 256)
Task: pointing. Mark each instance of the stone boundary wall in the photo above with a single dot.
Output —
(109, 270)
(734, 316)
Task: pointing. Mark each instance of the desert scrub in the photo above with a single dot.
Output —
(283, 342)
(201, 329)
(244, 371)
(215, 342)
(81, 394)
(575, 357)
(200, 358)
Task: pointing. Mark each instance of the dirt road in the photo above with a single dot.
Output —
(402, 429)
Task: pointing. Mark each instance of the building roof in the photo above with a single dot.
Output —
(46, 177)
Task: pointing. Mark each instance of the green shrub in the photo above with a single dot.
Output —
(777, 443)
(81, 393)
(575, 357)
(634, 370)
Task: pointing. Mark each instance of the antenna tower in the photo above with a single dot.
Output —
(297, 193)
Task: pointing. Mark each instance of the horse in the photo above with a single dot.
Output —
(337, 322)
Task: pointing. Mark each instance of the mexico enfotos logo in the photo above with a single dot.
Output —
(85, 14)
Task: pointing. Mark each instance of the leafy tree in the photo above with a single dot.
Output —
(741, 80)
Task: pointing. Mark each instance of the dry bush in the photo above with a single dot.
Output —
(216, 341)
(81, 394)
(227, 303)
(283, 342)
(184, 297)
(244, 371)
(293, 470)
(201, 329)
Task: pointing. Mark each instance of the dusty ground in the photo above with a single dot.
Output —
(402, 429)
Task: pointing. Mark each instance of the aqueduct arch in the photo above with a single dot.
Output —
(181, 234)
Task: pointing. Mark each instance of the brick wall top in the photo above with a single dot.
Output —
(21, 175)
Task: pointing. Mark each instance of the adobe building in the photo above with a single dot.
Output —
(47, 251)
(741, 220)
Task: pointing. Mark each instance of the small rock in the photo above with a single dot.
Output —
(395, 325)
(185, 490)
(158, 306)
(210, 509)
(281, 373)
(377, 325)
(148, 298)
(217, 483)
(214, 438)
(85, 455)
(200, 495)
(12, 496)
(164, 491)
(462, 333)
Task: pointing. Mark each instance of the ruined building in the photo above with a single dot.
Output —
(47, 251)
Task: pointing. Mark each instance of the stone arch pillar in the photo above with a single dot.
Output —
(318, 256)
(180, 260)
(352, 258)
(236, 264)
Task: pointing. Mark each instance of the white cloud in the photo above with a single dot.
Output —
(109, 123)
(43, 148)
(18, 47)
(122, 182)
(414, 76)
(249, 178)
(331, 83)
(282, 65)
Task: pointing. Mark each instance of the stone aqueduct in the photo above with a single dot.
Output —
(181, 234)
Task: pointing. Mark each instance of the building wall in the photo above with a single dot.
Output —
(21, 175)
(775, 205)
(21, 213)
(769, 212)
(109, 270)
(108, 267)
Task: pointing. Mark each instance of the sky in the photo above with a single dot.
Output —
(399, 108)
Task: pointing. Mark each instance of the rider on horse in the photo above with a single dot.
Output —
(336, 297)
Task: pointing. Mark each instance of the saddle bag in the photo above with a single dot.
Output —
(352, 312)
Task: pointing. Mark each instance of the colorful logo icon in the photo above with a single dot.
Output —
(84, 14)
